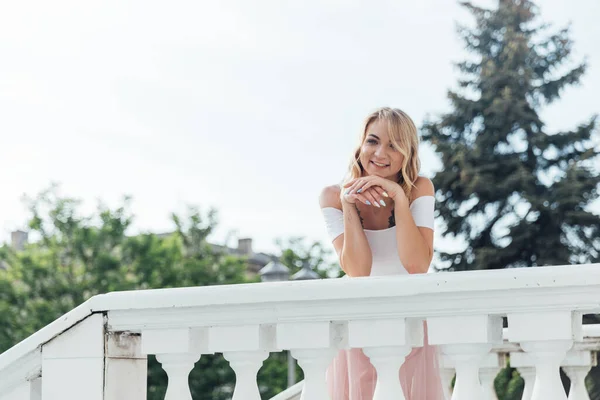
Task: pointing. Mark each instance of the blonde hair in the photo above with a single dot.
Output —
(404, 138)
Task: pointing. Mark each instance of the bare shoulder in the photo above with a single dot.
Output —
(330, 197)
(423, 187)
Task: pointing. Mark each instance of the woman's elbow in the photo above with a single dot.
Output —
(353, 268)
(417, 268)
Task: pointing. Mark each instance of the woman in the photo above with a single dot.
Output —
(381, 223)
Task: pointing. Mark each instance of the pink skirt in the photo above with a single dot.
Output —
(351, 376)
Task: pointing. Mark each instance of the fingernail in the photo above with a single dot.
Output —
(347, 191)
(377, 205)
(368, 202)
(359, 190)
(382, 202)
(385, 194)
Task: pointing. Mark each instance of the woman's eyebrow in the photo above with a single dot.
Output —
(375, 136)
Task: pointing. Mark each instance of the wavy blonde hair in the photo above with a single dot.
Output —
(404, 138)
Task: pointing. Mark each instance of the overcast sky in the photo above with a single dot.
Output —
(251, 107)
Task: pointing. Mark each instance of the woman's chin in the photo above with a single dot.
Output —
(381, 172)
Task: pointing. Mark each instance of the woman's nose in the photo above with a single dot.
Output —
(379, 151)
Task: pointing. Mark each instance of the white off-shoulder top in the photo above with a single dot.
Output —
(386, 260)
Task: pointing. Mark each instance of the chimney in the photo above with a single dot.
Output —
(18, 240)
(245, 246)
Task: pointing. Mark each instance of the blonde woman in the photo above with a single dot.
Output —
(381, 223)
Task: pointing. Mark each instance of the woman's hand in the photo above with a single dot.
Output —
(365, 184)
(373, 196)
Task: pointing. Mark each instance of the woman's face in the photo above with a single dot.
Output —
(377, 154)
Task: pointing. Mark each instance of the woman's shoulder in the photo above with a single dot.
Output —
(423, 187)
(330, 197)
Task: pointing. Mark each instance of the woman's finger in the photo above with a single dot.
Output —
(366, 186)
(354, 188)
(362, 199)
(376, 195)
(381, 193)
(371, 198)
(362, 185)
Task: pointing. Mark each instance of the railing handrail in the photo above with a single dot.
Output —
(502, 291)
(372, 287)
(47, 333)
(294, 390)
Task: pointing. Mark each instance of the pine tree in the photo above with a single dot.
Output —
(515, 192)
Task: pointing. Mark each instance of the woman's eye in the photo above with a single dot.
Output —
(371, 141)
(392, 147)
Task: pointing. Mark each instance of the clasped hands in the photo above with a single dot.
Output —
(371, 190)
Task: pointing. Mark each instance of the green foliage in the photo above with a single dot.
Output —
(74, 257)
(516, 193)
(273, 378)
(295, 253)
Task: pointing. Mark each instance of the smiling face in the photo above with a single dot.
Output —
(378, 155)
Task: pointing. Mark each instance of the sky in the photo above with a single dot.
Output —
(248, 107)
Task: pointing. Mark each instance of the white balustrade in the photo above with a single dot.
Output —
(386, 342)
(528, 375)
(466, 344)
(547, 337)
(447, 373)
(245, 347)
(98, 351)
(525, 365)
(124, 358)
(314, 345)
(576, 365)
(73, 363)
(177, 350)
(491, 364)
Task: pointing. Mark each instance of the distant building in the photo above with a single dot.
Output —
(244, 249)
(18, 240)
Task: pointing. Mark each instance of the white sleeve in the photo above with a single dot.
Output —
(422, 211)
(334, 221)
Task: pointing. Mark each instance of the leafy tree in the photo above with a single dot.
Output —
(517, 193)
(74, 257)
(295, 253)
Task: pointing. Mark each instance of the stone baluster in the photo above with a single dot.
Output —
(547, 337)
(466, 340)
(314, 345)
(524, 363)
(245, 347)
(528, 375)
(447, 373)
(386, 342)
(491, 364)
(177, 350)
(576, 365)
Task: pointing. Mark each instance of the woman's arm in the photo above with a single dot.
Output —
(415, 244)
(352, 246)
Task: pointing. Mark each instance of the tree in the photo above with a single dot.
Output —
(295, 253)
(76, 257)
(516, 193)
